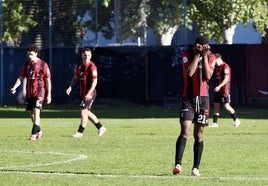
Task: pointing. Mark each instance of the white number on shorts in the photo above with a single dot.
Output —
(202, 119)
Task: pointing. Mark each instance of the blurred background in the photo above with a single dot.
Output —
(136, 44)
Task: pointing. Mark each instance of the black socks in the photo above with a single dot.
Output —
(98, 125)
(215, 118)
(81, 129)
(35, 129)
(180, 146)
(233, 116)
(198, 149)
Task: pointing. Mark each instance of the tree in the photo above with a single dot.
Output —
(165, 17)
(27, 22)
(216, 19)
(15, 21)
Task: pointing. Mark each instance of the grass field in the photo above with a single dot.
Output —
(137, 149)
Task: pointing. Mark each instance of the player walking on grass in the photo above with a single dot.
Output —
(198, 67)
(222, 91)
(86, 74)
(38, 87)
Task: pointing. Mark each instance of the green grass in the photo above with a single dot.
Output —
(137, 149)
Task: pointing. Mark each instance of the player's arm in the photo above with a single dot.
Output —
(91, 90)
(225, 80)
(193, 66)
(72, 84)
(94, 79)
(48, 89)
(16, 85)
(207, 69)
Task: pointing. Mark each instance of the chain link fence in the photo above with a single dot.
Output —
(55, 23)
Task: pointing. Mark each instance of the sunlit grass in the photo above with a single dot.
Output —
(137, 149)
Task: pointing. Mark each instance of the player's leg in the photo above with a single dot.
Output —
(83, 123)
(31, 114)
(230, 109)
(84, 117)
(197, 148)
(186, 118)
(34, 107)
(93, 118)
(35, 115)
(216, 114)
(201, 120)
(181, 144)
(216, 109)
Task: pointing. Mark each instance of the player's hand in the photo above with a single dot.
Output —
(88, 97)
(12, 90)
(216, 89)
(206, 49)
(198, 49)
(68, 91)
(48, 99)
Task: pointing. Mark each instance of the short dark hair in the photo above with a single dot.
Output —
(85, 49)
(201, 40)
(33, 48)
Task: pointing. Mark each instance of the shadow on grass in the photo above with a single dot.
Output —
(101, 110)
(123, 110)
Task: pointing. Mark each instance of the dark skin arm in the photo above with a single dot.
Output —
(193, 66)
(200, 51)
(207, 71)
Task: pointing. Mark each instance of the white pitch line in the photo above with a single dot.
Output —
(135, 176)
(4, 170)
(77, 157)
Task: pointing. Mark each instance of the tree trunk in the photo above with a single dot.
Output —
(143, 21)
(167, 36)
(228, 35)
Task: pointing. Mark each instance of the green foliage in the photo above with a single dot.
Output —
(104, 16)
(132, 25)
(164, 14)
(213, 17)
(15, 21)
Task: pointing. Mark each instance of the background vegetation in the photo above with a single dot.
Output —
(125, 20)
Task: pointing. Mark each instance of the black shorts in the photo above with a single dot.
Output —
(34, 103)
(220, 97)
(87, 104)
(195, 109)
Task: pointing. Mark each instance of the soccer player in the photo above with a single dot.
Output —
(38, 87)
(222, 91)
(198, 67)
(87, 76)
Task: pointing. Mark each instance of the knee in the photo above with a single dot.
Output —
(198, 136)
(185, 133)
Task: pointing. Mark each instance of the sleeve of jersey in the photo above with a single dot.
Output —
(94, 72)
(227, 70)
(185, 58)
(46, 71)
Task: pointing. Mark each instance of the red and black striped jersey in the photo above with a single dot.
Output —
(193, 86)
(86, 74)
(223, 71)
(36, 74)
